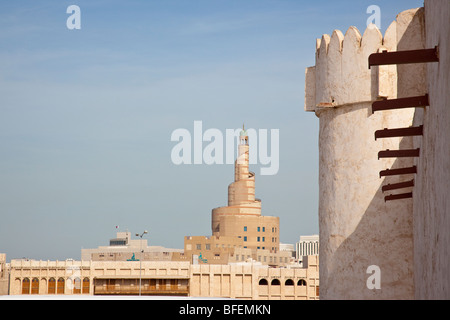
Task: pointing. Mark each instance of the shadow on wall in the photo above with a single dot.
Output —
(385, 227)
(396, 275)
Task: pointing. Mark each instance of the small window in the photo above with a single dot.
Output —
(60, 286)
(289, 282)
(259, 229)
(264, 229)
(245, 238)
(263, 282)
(26, 286)
(86, 285)
(77, 286)
(301, 282)
(199, 247)
(35, 286)
(245, 228)
(275, 282)
(52, 286)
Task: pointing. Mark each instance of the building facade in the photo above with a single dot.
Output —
(123, 248)
(239, 231)
(242, 217)
(226, 250)
(4, 275)
(307, 246)
(163, 278)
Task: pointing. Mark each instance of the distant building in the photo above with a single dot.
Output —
(249, 281)
(239, 231)
(4, 274)
(123, 248)
(307, 246)
(242, 259)
(288, 247)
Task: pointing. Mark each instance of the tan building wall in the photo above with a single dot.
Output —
(245, 281)
(225, 250)
(255, 282)
(212, 250)
(258, 232)
(4, 275)
(431, 201)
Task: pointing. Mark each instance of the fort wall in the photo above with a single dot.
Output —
(358, 228)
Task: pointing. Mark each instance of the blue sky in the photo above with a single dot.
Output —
(86, 115)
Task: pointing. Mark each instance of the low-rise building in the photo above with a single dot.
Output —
(162, 278)
(123, 248)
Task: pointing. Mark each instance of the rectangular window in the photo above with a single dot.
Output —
(245, 238)
(259, 229)
(208, 246)
(264, 239)
(245, 228)
(264, 229)
(199, 247)
(259, 239)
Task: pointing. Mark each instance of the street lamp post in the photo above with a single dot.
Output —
(140, 259)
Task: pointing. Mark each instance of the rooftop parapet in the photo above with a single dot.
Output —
(341, 75)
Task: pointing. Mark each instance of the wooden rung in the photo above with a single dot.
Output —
(403, 57)
(399, 153)
(399, 185)
(398, 196)
(399, 132)
(393, 172)
(410, 102)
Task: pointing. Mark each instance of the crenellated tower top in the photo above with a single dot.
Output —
(341, 75)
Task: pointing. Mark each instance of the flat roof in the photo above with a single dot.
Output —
(143, 277)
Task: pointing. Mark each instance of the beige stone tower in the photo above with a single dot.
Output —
(381, 205)
(242, 217)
